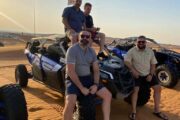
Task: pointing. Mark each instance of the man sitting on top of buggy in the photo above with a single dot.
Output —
(75, 21)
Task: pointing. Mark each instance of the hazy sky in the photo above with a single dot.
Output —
(158, 19)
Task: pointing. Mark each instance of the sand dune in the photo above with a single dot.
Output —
(44, 103)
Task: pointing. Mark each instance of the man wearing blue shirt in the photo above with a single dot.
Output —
(74, 21)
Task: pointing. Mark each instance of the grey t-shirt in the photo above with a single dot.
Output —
(82, 60)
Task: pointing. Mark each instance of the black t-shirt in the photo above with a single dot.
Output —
(89, 21)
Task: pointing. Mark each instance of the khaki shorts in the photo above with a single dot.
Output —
(71, 34)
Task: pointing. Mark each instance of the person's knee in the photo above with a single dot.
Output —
(70, 103)
(107, 95)
(157, 89)
(136, 90)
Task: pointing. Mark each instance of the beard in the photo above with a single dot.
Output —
(141, 47)
(84, 42)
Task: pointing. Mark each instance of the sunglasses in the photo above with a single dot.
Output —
(141, 42)
(85, 36)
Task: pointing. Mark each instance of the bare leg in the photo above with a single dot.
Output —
(102, 41)
(73, 36)
(157, 97)
(106, 96)
(70, 102)
(134, 99)
(74, 39)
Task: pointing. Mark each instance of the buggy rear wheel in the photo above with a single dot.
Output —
(21, 75)
(166, 76)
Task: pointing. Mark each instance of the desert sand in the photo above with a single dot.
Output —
(46, 104)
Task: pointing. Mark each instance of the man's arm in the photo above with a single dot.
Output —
(96, 72)
(153, 68)
(132, 69)
(66, 24)
(153, 63)
(152, 71)
(72, 74)
(84, 26)
(127, 61)
(94, 87)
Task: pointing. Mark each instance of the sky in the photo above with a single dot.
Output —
(157, 19)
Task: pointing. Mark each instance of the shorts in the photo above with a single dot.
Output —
(87, 81)
(142, 80)
(70, 34)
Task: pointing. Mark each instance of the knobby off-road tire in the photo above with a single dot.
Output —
(85, 109)
(166, 76)
(143, 96)
(21, 75)
(13, 103)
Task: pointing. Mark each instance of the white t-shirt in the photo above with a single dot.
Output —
(141, 60)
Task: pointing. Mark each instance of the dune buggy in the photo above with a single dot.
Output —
(46, 56)
(12, 103)
(168, 67)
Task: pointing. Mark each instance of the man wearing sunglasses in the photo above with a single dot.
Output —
(73, 20)
(142, 62)
(94, 30)
(79, 58)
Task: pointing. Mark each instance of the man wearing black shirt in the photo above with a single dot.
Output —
(94, 30)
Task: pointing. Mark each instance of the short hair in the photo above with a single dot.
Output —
(142, 37)
(87, 4)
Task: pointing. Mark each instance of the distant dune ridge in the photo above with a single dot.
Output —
(12, 38)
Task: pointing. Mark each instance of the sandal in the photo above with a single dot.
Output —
(132, 116)
(160, 115)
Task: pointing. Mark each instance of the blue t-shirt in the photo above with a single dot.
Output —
(75, 18)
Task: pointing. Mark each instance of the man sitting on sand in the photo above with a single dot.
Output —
(142, 62)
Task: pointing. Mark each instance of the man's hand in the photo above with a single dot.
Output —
(85, 91)
(135, 74)
(71, 30)
(149, 78)
(93, 89)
